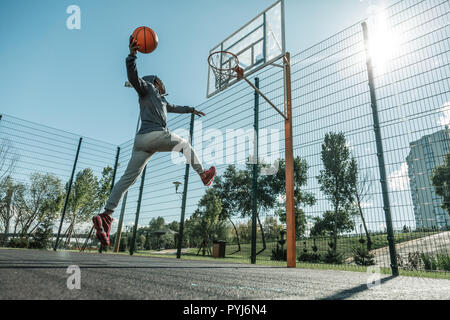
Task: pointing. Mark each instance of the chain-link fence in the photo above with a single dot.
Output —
(36, 166)
(341, 208)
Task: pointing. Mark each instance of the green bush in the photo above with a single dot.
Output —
(309, 257)
(167, 241)
(18, 243)
(279, 254)
(440, 261)
(333, 258)
(443, 261)
(363, 257)
(42, 237)
(429, 261)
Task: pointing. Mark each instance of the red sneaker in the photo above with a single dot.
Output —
(209, 176)
(102, 224)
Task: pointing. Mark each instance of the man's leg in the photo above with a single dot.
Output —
(102, 222)
(174, 143)
(134, 169)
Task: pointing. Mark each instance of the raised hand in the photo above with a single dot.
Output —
(198, 113)
(133, 46)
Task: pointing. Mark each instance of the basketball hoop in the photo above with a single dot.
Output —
(225, 66)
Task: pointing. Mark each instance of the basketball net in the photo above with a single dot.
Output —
(225, 66)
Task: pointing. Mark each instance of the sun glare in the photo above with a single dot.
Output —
(383, 41)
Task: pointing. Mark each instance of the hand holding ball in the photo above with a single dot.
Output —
(144, 40)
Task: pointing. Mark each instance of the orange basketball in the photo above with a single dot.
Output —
(146, 38)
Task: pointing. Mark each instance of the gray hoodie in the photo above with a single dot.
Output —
(154, 107)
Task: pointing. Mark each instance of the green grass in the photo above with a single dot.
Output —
(345, 245)
(280, 264)
(300, 265)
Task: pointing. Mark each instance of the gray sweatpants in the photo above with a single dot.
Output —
(146, 145)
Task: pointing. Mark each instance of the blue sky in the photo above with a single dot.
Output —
(73, 79)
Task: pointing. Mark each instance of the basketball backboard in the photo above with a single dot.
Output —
(257, 44)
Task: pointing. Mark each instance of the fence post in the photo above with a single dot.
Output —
(185, 190)
(380, 153)
(116, 163)
(68, 194)
(138, 210)
(120, 226)
(255, 173)
(289, 168)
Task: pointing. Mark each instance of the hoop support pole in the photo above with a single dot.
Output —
(265, 98)
(289, 166)
(277, 65)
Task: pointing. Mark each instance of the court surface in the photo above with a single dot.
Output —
(31, 274)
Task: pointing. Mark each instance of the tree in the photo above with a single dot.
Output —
(42, 236)
(337, 179)
(148, 243)
(361, 194)
(88, 196)
(156, 241)
(12, 204)
(141, 241)
(8, 158)
(272, 228)
(167, 241)
(245, 231)
(189, 234)
(104, 186)
(236, 189)
(441, 182)
(174, 226)
(327, 225)
(156, 224)
(224, 188)
(207, 224)
(83, 202)
(301, 198)
(44, 199)
(241, 192)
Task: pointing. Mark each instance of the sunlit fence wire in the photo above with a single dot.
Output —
(410, 52)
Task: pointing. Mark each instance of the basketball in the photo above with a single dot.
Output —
(146, 38)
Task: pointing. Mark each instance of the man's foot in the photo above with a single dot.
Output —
(208, 176)
(102, 224)
(102, 248)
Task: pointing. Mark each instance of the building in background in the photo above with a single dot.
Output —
(426, 154)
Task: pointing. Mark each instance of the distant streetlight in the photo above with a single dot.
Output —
(177, 185)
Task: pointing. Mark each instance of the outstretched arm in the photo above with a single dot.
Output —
(138, 84)
(171, 108)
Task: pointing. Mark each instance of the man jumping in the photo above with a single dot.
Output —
(152, 137)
